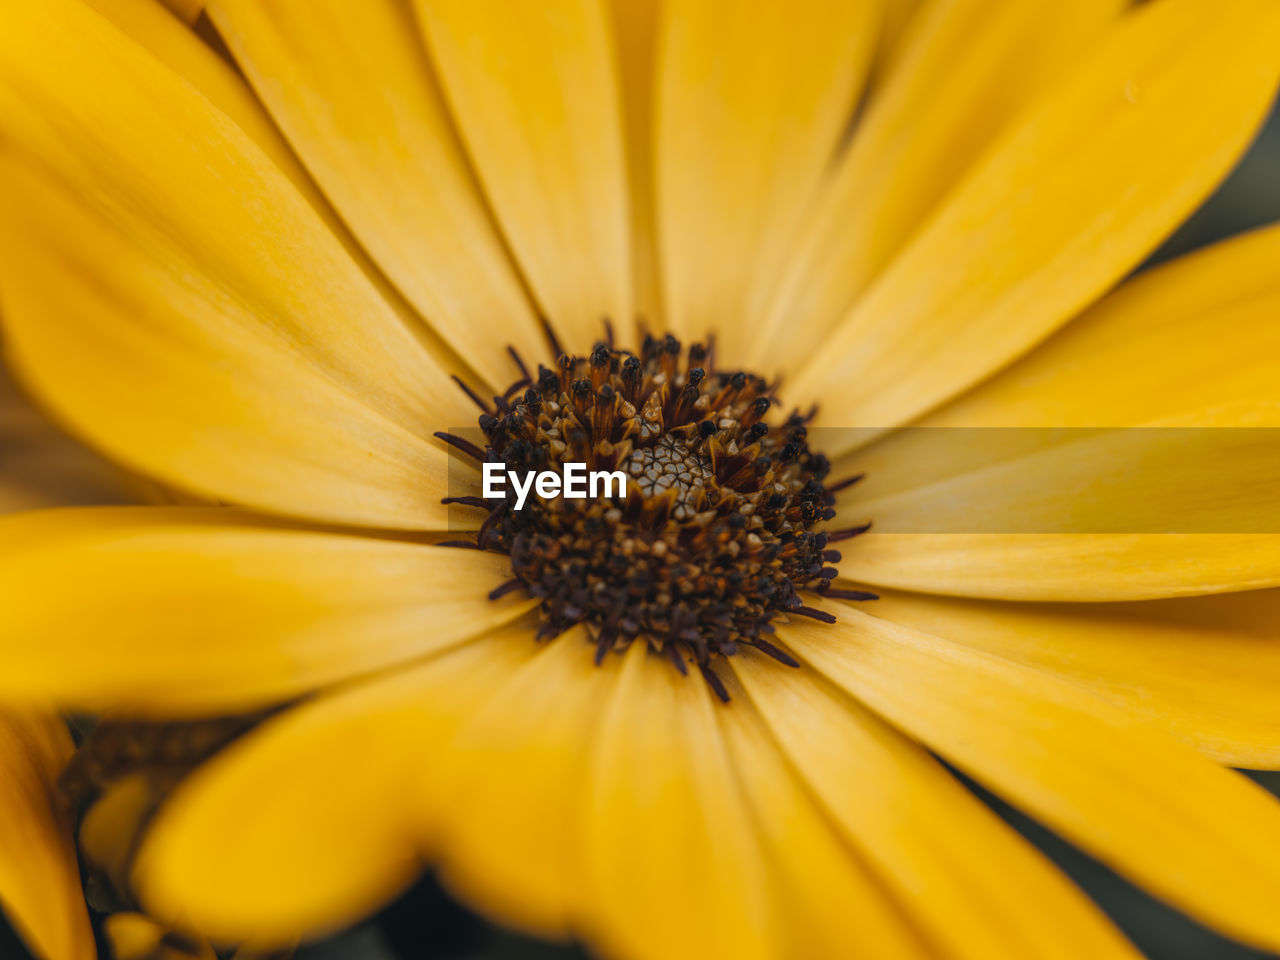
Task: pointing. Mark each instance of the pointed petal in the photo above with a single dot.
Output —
(750, 104)
(975, 888)
(39, 878)
(232, 329)
(1181, 826)
(1025, 242)
(1204, 668)
(967, 68)
(1066, 566)
(352, 87)
(534, 91)
(187, 610)
(1152, 353)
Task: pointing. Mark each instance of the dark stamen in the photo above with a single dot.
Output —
(848, 534)
(717, 532)
(510, 586)
(844, 484)
(480, 502)
(524, 371)
(764, 646)
(466, 446)
(714, 682)
(475, 398)
(855, 595)
(814, 614)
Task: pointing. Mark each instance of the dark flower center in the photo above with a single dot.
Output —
(714, 537)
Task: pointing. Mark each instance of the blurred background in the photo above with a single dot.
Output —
(426, 924)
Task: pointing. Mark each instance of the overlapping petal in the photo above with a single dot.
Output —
(972, 886)
(529, 736)
(351, 84)
(534, 92)
(39, 878)
(263, 366)
(1028, 239)
(750, 103)
(1084, 767)
(40, 466)
(984, 491)
(1203, 668)
(964, 71)
(312, 821)
(823, 886)
(190, 610)
(667, 833)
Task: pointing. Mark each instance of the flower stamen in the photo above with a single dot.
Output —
(712, 539)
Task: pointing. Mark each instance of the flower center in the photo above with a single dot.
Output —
(713, 537)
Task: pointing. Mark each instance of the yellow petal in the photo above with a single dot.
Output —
(1151, 119)
(182, 51)
(1204, 668)
(195, 274)
(352, 87)
(134, 936)
(189, 610)
(534, 90)
(109, 831)
(40, 466)
(1153, 352)
(188, 10)
(673, 859)
(1178, 824)
(974, 888)
(750, 103)
(39, 879)
(1066, 566)
(967, 68)
(896, 24)
(833, 904)
(635, 29)
(1144, 480)
(1193, 342)
(530, 738)
(310, 822)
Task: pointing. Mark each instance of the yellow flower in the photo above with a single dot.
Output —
(260, 298)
